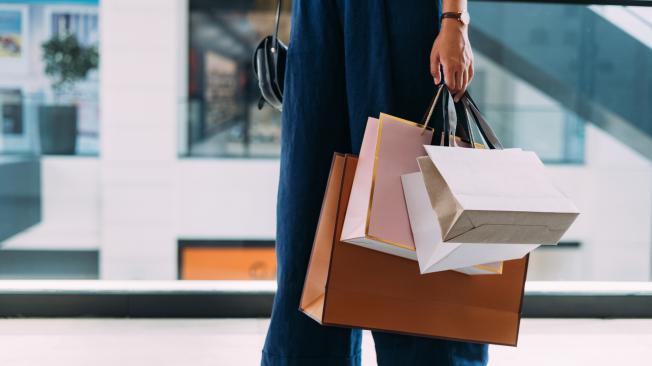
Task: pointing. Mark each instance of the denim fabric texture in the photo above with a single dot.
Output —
(347, 60)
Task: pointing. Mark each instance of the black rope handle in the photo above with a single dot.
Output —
(485, 129)
(463, 114)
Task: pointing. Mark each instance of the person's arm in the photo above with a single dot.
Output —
(452, 51)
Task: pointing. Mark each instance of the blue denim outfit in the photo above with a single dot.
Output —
(347, 60)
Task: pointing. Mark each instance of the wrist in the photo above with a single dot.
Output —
(453, 9)
(449, 22)
(455, 6)
(453, 24)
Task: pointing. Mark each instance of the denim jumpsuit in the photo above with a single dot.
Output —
(347, 60)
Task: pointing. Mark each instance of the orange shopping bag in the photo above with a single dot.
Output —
(352, 286)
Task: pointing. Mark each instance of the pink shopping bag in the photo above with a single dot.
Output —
(376, 216)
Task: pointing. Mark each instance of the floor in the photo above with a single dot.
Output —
(168, 342)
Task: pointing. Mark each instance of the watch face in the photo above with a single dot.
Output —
(465, 18)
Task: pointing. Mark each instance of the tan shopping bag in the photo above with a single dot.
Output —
(352, 286)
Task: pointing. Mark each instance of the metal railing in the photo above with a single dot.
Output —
(198, 299)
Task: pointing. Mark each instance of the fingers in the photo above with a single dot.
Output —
(435, 67)
(465, 83)
(449, 77)
(454, 78)
(461, 84)
(470, 73)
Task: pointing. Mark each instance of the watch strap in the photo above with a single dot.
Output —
(452, 14)
(462, 16)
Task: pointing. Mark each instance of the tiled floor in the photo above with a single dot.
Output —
(167, 342)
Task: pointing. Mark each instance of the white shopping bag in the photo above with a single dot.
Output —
(494, 196)
(433, 254)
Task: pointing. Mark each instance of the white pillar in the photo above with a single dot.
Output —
(143, 56)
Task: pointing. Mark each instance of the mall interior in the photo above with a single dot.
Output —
(138, 177)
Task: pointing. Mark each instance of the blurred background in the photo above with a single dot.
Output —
(131, 147)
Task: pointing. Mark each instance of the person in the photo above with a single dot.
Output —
(348, 60)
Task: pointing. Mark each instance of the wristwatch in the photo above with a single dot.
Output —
(463, 17)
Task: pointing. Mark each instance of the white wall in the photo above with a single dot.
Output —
(614, 193)
(227, 199)
(149, 198)
(142, 48)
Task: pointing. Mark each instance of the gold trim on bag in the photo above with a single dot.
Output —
(490, 269)
(373, 183)
(373, 180)
(407, 122)
(389, 242)
(379, 134)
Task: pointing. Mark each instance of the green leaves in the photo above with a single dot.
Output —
(67, 61)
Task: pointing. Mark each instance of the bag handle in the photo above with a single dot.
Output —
(275, 35)
(462, 113)
(431, 108)
(464, 109)
(483, 126)
(442, 93)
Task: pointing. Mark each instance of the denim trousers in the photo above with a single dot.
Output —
(347, 60)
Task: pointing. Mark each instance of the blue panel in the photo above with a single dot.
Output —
(20, 195)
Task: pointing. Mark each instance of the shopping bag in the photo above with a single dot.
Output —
(352, 286)
(495, 196)
(376, 215)
(433, 254)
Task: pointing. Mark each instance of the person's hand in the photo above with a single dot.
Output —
(452, 50)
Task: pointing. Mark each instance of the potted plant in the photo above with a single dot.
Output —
(66, 62)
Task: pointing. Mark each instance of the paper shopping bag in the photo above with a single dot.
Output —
(376, 215)
(352, 286)
(433, 254)
(494, 196)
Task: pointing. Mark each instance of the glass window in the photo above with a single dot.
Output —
(49, 112)
(525, 117)
(223, 115)
(49, 78)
